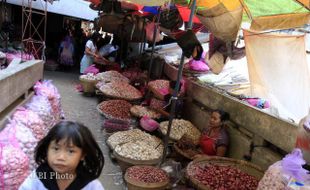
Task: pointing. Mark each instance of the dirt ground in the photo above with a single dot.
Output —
(78, 107)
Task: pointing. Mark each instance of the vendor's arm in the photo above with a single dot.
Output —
(89, 52)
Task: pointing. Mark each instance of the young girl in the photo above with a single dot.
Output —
(68, 158)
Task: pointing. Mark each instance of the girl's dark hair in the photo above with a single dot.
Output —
(81, 137)
(224, 116)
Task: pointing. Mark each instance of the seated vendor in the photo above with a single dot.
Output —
(214, 140)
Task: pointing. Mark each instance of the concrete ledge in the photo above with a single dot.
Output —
(274, 130)
(264, 157)
(16, 81)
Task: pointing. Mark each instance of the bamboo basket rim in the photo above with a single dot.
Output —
(223, 161)
(180, 151)
(135, 114)
(136, 162)
(86, 80)
(120, 97)
(144, 184)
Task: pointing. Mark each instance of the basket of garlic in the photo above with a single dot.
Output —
(88, 82)
(135, 147)
(180, 127)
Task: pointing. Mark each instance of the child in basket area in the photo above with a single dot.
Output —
(68, 158)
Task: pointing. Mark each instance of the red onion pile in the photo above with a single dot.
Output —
(116, 109)
(159, 84)
(147, 174)
(113, 125)
(120, 90)
(223, 177)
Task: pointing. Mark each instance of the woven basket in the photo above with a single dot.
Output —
(107, 116)
(138, 185)
(88, 85)
(244, 166)
(181, 152)
(125, 163)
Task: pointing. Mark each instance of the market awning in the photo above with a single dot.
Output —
(73, 8)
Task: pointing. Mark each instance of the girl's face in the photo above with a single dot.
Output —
(63, 157)
(215, 120)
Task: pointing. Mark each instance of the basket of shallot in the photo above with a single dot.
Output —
(88, 82)
(215, 173)
(115, 109)
(146, 178)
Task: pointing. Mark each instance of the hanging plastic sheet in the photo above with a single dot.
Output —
(279, 71)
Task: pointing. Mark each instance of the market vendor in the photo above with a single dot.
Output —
(215, 140)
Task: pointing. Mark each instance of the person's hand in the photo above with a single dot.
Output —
(198, 156)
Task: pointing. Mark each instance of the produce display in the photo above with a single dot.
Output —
(136, 144)
(133, 135)
(159, 84)
(114, 125)
(115, 109)
(120, 90)
(141, 111)
(41, 106)
(157, 104)
(220, 177)
(111, 76)
(31, 120)
(89, 76)
(147, 174)
(14, 166)
(139, 150)
(272, 178)
(180, 127)
(25, 140)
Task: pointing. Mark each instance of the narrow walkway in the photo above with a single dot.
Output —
(83, 109)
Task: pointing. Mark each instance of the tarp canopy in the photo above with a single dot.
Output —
(73, 8)
(266, 14)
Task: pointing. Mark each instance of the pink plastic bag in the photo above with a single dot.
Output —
(148, 124)
(91, 69)
(258, 102)
(199, 65)
(14, 163)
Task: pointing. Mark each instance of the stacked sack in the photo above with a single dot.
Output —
(14, 163)
(47, 89)
(24, 138)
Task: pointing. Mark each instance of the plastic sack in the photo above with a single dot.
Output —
(148, 124)
(14, 163)
(31, 120)
(199, 65)
(303, 137)
(25, 140)
(174, 170)
(258, 102)
(47, 89)
(286, 174)
(91, 69)
(41, 106)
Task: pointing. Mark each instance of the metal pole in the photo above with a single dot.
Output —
(153, 47)
(176, 89)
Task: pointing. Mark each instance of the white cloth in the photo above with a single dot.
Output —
(32, 182)
(107, 49)
(88, 60)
